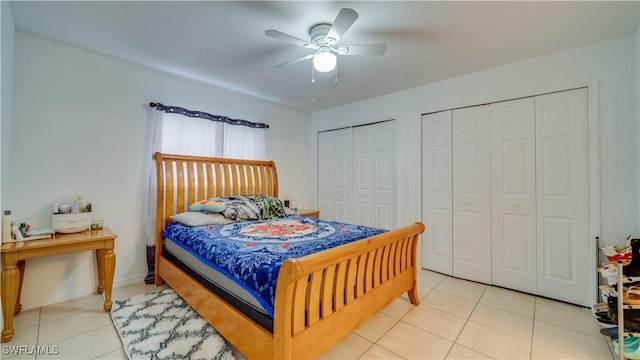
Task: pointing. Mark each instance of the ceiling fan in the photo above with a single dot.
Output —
(324, 40)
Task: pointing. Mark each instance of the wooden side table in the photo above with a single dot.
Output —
(14, 255)
(309, 213)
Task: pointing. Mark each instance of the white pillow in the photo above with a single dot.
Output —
(199, 219)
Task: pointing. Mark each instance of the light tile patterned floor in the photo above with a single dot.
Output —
(457, 319)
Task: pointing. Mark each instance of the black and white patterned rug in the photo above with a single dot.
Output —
(160, 325)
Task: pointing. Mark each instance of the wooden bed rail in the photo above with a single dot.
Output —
(324, 286)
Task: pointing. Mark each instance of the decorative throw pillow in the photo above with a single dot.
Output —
(238, 207)
(207, 205)
(270, 207)
(200, 219)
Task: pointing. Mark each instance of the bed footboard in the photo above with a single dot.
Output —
(322, 297)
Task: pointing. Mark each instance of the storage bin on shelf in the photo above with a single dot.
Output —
(71, 214)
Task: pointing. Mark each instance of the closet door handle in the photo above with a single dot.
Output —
(468, 202)
(516, 204)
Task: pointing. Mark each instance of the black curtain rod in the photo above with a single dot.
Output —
(207, 116)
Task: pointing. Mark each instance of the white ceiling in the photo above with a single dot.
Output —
(223, 43)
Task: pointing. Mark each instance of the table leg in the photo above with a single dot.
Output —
(9, 293)
(100, 262)
(21, 267)
(109, 268)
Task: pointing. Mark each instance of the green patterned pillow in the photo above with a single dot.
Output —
(270, 207)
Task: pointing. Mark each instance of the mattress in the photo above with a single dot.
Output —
(218, 283)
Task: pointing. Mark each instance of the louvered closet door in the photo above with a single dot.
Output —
(374, 175)
(436, 192)
(562, 180)
(334, 174)
(472, 193)
(513, 199)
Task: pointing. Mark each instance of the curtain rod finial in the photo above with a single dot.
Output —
(152, 104)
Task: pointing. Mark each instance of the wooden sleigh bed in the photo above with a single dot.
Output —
(319, 298)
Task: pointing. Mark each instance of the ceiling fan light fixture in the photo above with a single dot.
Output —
(324, 39)
(325, 60)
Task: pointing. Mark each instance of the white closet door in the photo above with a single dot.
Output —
(374, 175)
(564, 258)
(437, 242)
(472, 193)
(335, 156)
(513, 195)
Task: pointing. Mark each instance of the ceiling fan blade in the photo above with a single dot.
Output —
(295, 61)
(346, 17)
(366, 49)
(288, 38)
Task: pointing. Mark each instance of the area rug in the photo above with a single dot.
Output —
(160, 325)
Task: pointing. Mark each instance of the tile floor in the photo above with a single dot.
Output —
(457, 319)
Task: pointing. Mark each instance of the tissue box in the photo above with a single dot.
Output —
(71, 223)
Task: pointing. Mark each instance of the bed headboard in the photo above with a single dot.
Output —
(183, 180)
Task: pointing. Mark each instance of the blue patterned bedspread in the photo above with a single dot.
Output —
(251, 253)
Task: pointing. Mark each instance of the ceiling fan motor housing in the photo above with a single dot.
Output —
(319, 37)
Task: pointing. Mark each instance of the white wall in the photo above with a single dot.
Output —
(610, 65)
(637, 61)
(7, 37)
(81, 126)
(6, 91)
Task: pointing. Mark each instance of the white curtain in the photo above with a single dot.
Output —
(175, 133)
(242, 142)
